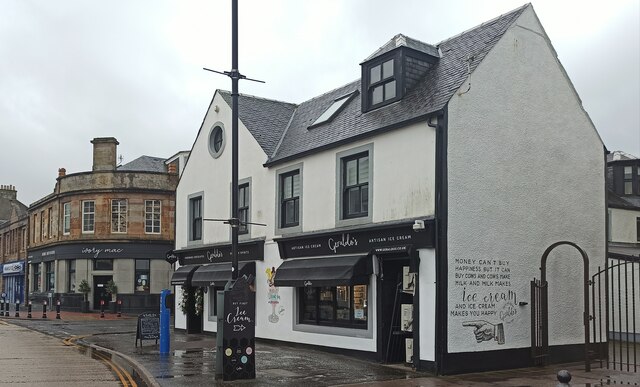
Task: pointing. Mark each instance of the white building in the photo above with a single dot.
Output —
(459, 162)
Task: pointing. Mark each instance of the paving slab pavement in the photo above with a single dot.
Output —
(30, 358)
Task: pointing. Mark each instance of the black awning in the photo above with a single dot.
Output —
(217, 274)
(334, 271)
(183, 275)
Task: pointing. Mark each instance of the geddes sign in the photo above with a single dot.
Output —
(392, 238)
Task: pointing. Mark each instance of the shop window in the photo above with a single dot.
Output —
(213, 300)
(195, 218)
(103, 264)
(66, 218)
(119, 216)
(244, 199)
(142, 276)
(71, 276)
(50, 276)
(152, 212)
(88, 216)
(341, 306)
(35, 268)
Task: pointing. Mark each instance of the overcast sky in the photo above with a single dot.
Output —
(74, 70)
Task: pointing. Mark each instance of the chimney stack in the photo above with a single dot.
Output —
(62, 172)
(171, 168)
(8, 192)
(104, 153)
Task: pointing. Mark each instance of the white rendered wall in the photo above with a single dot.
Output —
(427, 289)
(525, 170)
(403, 188)
(624, 225)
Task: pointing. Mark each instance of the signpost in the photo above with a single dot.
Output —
(148, 327)
(235, 341)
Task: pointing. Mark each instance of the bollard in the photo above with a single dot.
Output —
(101, 308)
(2, 307)
(564, 377)
(44, 309)
(29, 310)
(6, 308)
(17, 308)
(58, 310)
(119, 306)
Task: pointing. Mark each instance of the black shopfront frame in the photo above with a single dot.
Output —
(386, 241)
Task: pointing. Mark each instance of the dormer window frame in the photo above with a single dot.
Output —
(398, 65)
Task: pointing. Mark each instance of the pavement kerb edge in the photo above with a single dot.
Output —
(146, 375)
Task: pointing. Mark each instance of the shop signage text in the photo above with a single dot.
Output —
(379, 240)
(251, 251)
(13, 267)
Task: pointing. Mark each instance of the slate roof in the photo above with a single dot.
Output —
(7, 208)
(282, 128)
(401, 40)
(266, 119)
(145, 164)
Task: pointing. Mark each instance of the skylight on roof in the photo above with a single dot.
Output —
(334, 109)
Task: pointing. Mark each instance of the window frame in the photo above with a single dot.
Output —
(116, 214)
(210, 145)
(397, 58)
(279, 229)
(285, 200)
(37, 277)
(638, 229)
(352, 322)
(191, 199)
(66, 218)
(71, 269)
(341, 158)
(103, 260)
(139, 272)
(152, 214)
(244, 206)
(92, 217)
(50, 276)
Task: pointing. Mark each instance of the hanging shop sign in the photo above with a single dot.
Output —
(377, 239)
(248, 251)
(13, 268)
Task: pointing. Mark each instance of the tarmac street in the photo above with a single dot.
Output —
(29, 358)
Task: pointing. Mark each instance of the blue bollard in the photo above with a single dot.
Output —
(165, 316)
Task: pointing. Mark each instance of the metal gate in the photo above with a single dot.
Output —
(539, 328)
(615, 311)
(539, 309)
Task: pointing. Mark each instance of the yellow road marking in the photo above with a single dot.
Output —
(125, 377)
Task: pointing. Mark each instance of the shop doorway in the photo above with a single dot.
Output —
(194, 320)
(395, 306)
(100, 291)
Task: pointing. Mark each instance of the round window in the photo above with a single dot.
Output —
(216, 140)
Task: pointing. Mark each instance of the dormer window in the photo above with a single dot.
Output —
(394, 69)
(382, 83)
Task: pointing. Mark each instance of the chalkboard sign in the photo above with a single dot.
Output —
(239, 328)
(148, 327)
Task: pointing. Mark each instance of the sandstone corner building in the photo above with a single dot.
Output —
(113, 223)
(407, 211)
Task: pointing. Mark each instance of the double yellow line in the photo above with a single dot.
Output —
(125, 377)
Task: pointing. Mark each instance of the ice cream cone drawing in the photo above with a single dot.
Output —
(273, 296)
